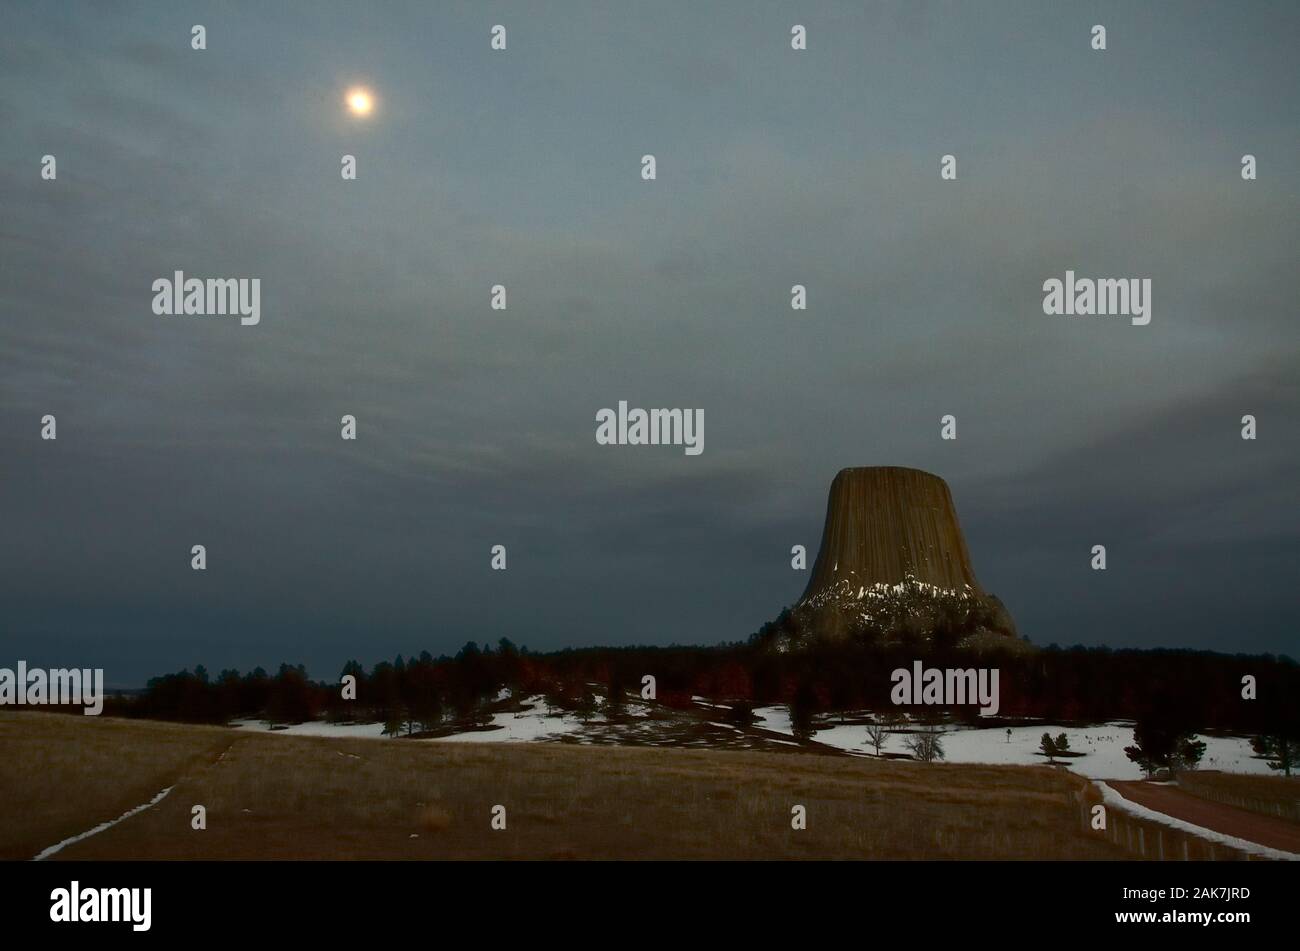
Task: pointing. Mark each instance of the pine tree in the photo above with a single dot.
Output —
(586, 704)
(1048, 746)
(1159, 742)
(614, 696)
(1281, 752)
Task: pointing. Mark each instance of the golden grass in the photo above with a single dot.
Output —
(61, 775)
(315, 798)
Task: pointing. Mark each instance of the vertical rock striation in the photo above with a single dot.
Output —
(885, 523)
(893, 567)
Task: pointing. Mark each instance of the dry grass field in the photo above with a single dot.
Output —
(62, 774)
(272, 797)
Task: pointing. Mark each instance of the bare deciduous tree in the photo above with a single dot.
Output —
(926, 745)
(878, 731)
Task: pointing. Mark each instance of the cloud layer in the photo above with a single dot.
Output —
(476, 427)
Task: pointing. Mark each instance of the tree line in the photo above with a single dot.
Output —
(1200, 690)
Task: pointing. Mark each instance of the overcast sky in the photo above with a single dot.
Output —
(477, 427)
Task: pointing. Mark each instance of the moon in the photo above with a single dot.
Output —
(360, 101)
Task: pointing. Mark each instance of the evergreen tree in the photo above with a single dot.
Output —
(1161, 742)
(1048, 746)
(802, 709)
(1282, 753)
(614, 695)
(586, 703)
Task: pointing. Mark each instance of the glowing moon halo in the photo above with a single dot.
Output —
(360, 102)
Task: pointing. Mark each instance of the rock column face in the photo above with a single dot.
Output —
(893, 569)
(885, 523)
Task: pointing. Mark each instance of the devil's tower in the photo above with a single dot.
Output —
(884, 523)
(893, 566)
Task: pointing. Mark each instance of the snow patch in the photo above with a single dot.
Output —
(46, 853)
(1103, 745)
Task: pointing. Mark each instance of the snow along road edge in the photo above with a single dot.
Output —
(1113, 799)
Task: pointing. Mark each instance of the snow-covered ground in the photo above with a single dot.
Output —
(1103, 745)
(704, 702)
(531, 724)
(777, 719)
(317, 728)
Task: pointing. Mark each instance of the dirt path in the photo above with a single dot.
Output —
(104, 826)
(1264, 830)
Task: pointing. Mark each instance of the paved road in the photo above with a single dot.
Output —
(1252, 826)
